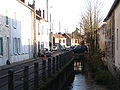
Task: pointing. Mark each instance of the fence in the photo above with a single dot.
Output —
(32, 76)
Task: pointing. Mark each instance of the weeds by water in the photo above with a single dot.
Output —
(101, 74)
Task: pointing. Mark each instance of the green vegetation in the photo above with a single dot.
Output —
(101, 74)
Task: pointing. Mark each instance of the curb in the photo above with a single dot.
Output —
(17, 63)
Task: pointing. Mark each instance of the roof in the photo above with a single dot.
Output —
(69, 35)
(58, 36)
(72, 36)
(116, 2)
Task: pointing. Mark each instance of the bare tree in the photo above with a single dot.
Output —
(91, 20)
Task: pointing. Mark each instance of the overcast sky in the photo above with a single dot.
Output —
(68, 12)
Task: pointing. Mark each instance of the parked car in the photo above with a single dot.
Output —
(72, 47)
(78, 49)
(68, 48)
(45, 52)
(55, 48)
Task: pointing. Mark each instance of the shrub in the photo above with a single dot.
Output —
(101, 74)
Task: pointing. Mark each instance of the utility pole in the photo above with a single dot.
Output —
(59, 34)
(47, 9)
(34, 41)
(50, 44)
(59, 27)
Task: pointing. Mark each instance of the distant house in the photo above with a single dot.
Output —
(59, 39)
(72, 39)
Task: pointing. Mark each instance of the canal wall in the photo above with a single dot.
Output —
(58, 80)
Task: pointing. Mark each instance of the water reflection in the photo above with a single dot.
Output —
(82, 82)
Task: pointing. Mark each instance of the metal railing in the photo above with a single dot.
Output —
(31, 76)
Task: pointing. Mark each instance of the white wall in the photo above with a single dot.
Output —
(4, 31)
(117, 41)
(44, 34)
(23, 30)
(62, 44)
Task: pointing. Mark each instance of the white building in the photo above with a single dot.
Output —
(22, 34)
(16, 37)
(4, 33)
(42, 25)
(59, 39)
(42, 34)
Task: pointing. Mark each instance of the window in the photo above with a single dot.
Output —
(42, 32)
(38, 45)
(117, 39)
(43, 13)
(1, 46)
(38, 29)
(78, 41)
(19, 51)
(14, 22)
(75, 41)
(42, 45)
(59, 40)
(16, 45)
(6, 18)
(63, 41)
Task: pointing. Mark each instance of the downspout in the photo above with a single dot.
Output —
(35, 42)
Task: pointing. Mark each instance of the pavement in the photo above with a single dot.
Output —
(20, 64)
(16, 63)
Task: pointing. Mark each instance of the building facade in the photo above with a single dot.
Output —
(4, 33)
(73, 39)
(59, 39)
(117, 36)
(112, 38)
(17, 31)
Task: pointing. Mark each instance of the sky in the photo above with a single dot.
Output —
(66, 13)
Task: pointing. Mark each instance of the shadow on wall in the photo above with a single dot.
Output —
(15, 40)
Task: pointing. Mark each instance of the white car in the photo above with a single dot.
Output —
(55, 48)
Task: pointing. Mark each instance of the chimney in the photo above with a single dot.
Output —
(43, 13)
(39, 12)
(72, 34)
(23, 1)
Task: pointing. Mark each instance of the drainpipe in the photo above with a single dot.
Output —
(35, 42)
